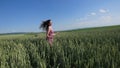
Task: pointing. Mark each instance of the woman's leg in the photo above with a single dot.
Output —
(50, 42)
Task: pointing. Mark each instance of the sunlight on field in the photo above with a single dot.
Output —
(11, 36)
(86, 48)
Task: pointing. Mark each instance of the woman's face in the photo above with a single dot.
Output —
(50, 23)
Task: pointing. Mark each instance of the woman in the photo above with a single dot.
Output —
(47, 26)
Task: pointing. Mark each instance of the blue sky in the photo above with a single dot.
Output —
(26, 15)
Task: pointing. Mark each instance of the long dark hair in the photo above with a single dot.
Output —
(45, 25)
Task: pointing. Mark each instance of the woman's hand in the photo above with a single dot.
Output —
(56, 33)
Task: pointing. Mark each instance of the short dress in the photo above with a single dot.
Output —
(51, 34)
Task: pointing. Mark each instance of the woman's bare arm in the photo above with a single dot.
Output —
(56, 33)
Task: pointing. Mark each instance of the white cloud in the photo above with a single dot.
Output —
(81, 19)
(103, 11)
(94, 19)
(93, 13)
(13, 30)
(106, 19)
(101, 21)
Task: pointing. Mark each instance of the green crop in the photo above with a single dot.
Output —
(87, 48)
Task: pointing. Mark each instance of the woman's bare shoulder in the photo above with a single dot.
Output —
(50, 27)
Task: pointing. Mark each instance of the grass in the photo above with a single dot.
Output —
(85, 48)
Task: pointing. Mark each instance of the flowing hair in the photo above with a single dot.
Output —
(45, 25)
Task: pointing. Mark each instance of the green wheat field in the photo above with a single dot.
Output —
(81, 48)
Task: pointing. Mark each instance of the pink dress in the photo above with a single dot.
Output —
(51, 35)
